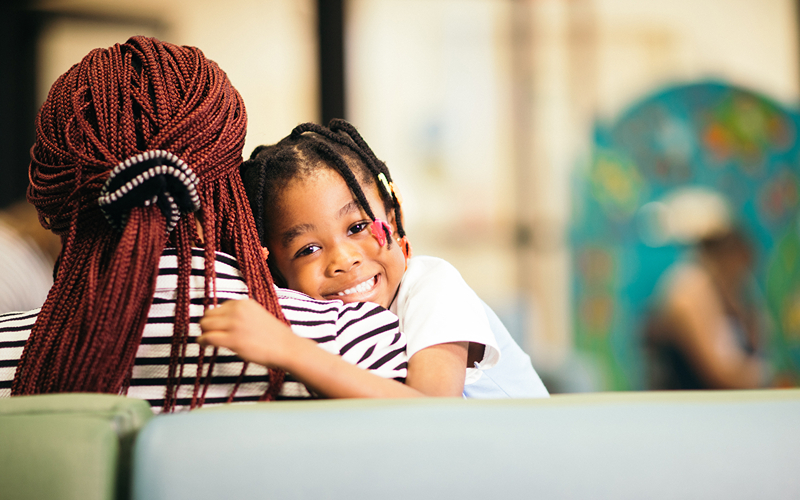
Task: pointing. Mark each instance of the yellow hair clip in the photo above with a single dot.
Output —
(385, 182)
(390, 187)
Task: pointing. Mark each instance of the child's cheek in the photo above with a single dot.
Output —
(310, 280)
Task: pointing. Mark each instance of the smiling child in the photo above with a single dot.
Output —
(330, 215)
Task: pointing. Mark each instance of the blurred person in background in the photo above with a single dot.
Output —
(706, 329)
(27, 255)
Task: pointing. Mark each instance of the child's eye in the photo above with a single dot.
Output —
(358, 227)
(306, 251)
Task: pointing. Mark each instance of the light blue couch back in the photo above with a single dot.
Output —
(613, 445)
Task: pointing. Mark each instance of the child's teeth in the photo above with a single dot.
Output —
(360, 288)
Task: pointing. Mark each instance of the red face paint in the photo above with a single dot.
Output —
(380, 230)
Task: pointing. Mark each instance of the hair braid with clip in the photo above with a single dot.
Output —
(116, 103)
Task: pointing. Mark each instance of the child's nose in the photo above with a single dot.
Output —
(344, 258)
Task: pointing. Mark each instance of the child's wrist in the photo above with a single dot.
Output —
(290, 352)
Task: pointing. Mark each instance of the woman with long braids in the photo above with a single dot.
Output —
(330, 214)
(136, 168)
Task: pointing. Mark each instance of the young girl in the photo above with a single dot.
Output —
(328, 211)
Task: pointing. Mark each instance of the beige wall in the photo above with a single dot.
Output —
(267, 47)
(642, 45)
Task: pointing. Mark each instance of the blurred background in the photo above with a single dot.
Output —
(546, 148)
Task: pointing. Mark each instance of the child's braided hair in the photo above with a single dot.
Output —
(108, 125)
(308, 148)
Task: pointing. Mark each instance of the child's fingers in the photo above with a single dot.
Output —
(214, 339)
(216, 321)
(235, 308)
(213, 312)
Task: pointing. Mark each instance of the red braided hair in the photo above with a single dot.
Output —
(117, 102)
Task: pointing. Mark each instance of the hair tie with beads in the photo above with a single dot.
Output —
(154, 177)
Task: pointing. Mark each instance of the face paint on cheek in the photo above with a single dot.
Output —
(380, 230)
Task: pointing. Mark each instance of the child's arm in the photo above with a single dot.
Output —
(438, 370)
(441, 317)
(247, 329)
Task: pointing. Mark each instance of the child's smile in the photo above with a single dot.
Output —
(322, 245)
(364, 287)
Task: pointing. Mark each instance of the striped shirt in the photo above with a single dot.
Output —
(364, 334)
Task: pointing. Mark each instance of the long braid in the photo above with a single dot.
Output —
(86, 351)
(373, 163)
(336, 160)
(344, 133)
(340, 165)
(117, 102)
(262, 290)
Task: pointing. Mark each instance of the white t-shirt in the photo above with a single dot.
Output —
(436, 306)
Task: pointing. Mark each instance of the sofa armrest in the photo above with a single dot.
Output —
(68, 446)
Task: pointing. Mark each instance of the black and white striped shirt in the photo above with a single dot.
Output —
(364, 334)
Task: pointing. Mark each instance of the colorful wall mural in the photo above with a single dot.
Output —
(728, 139)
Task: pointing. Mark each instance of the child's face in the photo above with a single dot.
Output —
(322, 245)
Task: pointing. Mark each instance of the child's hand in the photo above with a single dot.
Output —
(249, 330)
(246, 328)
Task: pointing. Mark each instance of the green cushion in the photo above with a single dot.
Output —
(67, 446)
